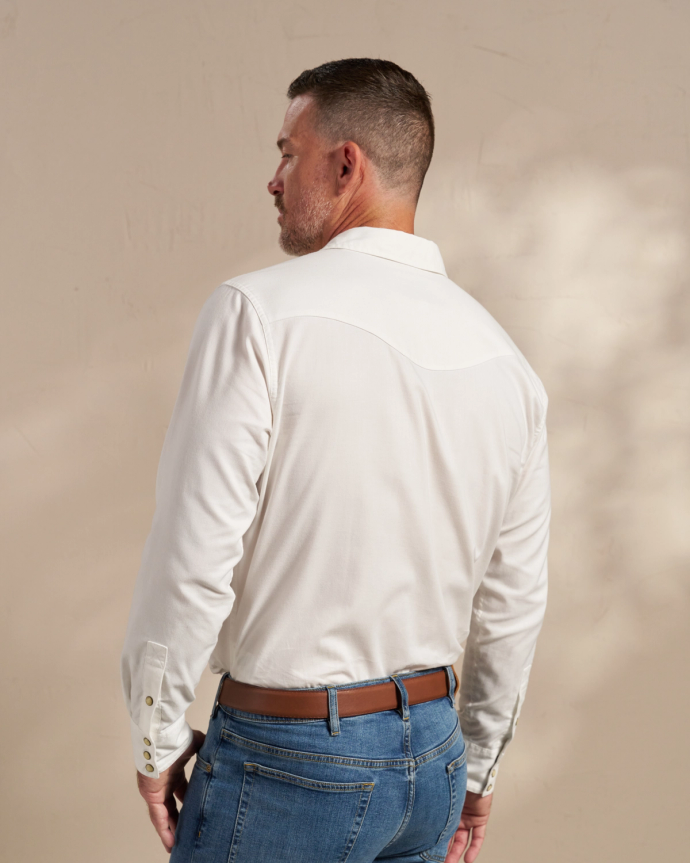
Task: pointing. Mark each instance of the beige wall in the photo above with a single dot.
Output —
(136, 140)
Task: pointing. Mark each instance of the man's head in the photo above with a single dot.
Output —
(355, 145)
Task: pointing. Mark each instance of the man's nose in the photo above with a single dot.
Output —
(275, 187)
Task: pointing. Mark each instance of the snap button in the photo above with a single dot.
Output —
(493, 772)
(488, 787)
(147, 742)
(147, 755)
(149, 700)
(149, 767)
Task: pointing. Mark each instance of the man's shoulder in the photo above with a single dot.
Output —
(268, 283)
(323, 282)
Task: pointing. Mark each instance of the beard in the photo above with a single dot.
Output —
(301, 231)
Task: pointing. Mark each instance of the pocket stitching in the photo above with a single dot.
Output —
(458, 762)
(442, 747)
(305, 782)
(450, 772)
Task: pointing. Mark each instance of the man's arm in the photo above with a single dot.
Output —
(507, 615)
(214, 453)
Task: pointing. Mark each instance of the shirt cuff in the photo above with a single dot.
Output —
(153, 755)
(482, 768)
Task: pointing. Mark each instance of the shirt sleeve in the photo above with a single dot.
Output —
(507, 614)
(213, 455)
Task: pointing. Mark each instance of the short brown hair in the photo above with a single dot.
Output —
(379, 106)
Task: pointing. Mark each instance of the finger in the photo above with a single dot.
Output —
(181, 788)
(160, 818)
(172, 829)
(172, 813)
(457, 846)
(476, 844)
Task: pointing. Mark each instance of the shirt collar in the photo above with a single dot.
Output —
(394, 245)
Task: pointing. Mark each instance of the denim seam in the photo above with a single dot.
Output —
(241, 810)
(453, 800)
(451, 815)
(450, 770)
(200, 822)
(305, 782)
(298, 755)
(408, 808)
(359, 817)
(204, 798)
(202, 765)
(429, 855)
(439, 750)
(433, 857)
(459, 761)
(293, 720)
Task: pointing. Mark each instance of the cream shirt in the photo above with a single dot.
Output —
(354, 482)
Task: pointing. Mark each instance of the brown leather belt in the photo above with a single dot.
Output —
(313, 703)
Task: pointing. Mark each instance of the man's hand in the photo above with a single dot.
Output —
(475, 814)
(160, 793)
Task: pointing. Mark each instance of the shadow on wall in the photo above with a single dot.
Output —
(586, 267)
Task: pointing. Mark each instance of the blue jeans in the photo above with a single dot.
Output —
(380, 786)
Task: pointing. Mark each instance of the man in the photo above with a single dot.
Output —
(353, 483)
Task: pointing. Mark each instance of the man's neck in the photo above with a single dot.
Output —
(398, 216)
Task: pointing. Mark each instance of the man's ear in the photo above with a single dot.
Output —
(349, 164)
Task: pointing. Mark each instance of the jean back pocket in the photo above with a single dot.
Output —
(456, 771)
(285, 817)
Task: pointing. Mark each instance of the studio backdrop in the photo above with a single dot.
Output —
(136, 142)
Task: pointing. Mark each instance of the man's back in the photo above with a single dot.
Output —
(402, 417)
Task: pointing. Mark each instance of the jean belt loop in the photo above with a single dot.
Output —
(333, 717)
(451, 684)
(405, 703)
(214, 709)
